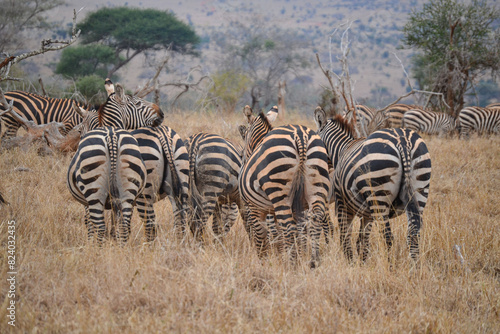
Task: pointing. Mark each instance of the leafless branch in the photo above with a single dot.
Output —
(46, 46)
(412, 91)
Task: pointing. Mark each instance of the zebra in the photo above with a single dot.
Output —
(284, 172)
(121, 111)
(395, 114)
(376, 178)
(429, 122)
(101, 148)
(480, 120)
(107, 172)
(493, 105)
(214, 166)
(41, 110)
(364, 116)
(167, 165)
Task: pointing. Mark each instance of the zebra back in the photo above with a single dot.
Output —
(481, 120)
(429, 122)
(41, 110)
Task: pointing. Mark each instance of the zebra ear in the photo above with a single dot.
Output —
(242, 129)
(272, 114)
(319, 117)
(120, 93)
(247, 112)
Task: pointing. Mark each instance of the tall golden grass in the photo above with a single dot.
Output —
(65, 285)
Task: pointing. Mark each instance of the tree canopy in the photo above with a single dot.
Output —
(79, 61)
(458, 42)
(131, 31)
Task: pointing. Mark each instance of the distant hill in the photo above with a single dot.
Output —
(374, 36)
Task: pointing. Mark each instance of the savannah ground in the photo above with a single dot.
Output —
(64, 285)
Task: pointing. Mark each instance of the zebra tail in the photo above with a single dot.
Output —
(166, 143)
(194, 193)
(405, 147)
(297, 191)
(114, 190)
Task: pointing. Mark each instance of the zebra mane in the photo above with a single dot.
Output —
(265, 120)
(101, 108)
(344, 124)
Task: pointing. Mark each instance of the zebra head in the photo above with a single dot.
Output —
(126, 111)
(90, 120)
(258, 127)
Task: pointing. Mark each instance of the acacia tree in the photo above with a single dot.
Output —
(264, 54)
(132, 31)
(458, 43)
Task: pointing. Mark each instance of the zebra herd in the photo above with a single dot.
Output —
(280, 182)
(470, 119)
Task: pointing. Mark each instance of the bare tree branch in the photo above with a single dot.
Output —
(46, 46)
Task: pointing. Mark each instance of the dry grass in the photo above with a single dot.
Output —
(65, 285)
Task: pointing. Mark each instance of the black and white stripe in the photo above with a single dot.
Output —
(482, 121)
(107, 172)
(167, 165)
(376, 178)
(41, 110)
(285, 173)
(429, 122)
(214, 166)
(105, 152)
(395, 114)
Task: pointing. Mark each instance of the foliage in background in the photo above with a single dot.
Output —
(79, 61)
(92, 88)
(227, 89)
(266, 54)
(132, 31)
(458, 43)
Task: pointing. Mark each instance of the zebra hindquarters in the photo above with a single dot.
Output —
(107, 172)
(127, 179)
(317, 185)
(415, 189)
(88, 180)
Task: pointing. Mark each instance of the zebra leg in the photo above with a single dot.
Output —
(288, 226)
(124, 216)
(229, 216)
(11, 129)
(88, 224)
(388, 236)
(259, 232)
(363, 242)
(217, 222)
(345, 227)
(414, 224)
(148, 217)
(274, 235)
(96, 221)
(317, 220)
(327, 226)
